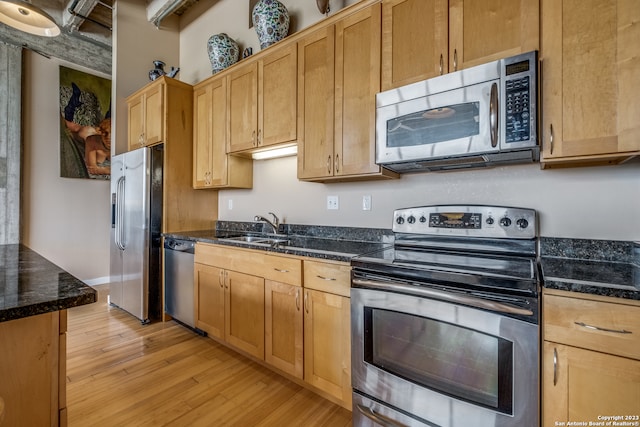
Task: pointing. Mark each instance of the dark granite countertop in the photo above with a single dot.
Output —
(331, 243)
(597, 267)
(32, 285)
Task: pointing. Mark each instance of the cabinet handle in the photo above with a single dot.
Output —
(306, 302)
(441, 64)
(226, 280)
(221, 278)
(280, 271)
(325, 278)
(597, 328)
(551, 138)
(337, 163)
(253, 138)
(329, 164)
(455, 59)
(259, 137)
(298, 299)
(141, 139)
(555, 366)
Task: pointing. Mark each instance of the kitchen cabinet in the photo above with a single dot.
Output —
(327, 329)
(229, 305)
(145, 115)
(183, 208)
(338, 78)
(426, 38)
(284, 327)
(212, 166)
(262, 101)
(589, 372)
(33, 370)
(591, 82)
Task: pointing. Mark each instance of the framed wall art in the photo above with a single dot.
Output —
(85, 125)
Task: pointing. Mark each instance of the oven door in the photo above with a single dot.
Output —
(444, 363)
(459, 122)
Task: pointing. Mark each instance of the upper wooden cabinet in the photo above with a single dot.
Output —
(262, 101)
(426, 38)
(146, 115)
(212, 166)
(591, 357)
(338, 78)
(591, 82)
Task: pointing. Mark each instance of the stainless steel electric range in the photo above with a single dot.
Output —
(445, 324)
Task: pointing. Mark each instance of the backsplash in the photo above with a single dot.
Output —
(589, 249)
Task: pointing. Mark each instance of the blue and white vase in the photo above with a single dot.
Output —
(271, 21)
(223, 52)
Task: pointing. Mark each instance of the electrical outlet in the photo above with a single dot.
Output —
(333, 202)
(366, 203)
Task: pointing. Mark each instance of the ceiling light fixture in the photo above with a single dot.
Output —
(24, 16)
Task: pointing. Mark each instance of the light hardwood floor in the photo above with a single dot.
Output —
(120, 373)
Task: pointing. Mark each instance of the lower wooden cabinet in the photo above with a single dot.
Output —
(327, 343)
(283, 327)
(590, 359)
(230, 306)
(581, 385)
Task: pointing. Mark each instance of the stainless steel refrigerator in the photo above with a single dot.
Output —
(136, 226)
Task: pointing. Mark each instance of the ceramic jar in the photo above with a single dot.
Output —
(223, 52)
(157, 71)
(271, 21)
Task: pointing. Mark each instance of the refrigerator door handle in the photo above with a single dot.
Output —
(119, 234)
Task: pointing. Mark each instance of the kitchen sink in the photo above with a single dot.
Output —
(259, 240)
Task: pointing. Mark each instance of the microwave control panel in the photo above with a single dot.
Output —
(518, 110)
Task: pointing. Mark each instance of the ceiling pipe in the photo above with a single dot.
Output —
(72, 11)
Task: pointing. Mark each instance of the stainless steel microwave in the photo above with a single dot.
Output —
(479, 116)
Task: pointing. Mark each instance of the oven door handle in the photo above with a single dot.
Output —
(377, 418)
(443, 295)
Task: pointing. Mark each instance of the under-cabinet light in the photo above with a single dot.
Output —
(290, 150)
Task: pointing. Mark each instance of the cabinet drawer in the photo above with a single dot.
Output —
(328, 277)
(282, 269)
(240, 260)
(602, 326)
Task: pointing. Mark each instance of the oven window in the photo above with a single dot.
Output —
(457, 361)
(435, 125)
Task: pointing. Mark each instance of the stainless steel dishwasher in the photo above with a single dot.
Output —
(178, 281)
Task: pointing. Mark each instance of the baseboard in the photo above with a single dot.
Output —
(98, 281)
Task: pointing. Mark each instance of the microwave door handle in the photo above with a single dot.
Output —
(442, 296)
(493, 115)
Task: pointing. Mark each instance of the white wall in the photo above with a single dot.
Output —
(596, 202)
(65, 220)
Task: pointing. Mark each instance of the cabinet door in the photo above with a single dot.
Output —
(591, 79)
(219, 172)
(356, 85)
(154, 118)
(244, 312)
(209, 299)
(135, 119)
(486, 30)
(414, 41)
(316, 104)
(283, 327)
(277, 96)
(202, 127)
(582, 385)
(327, 346)
(243, 108)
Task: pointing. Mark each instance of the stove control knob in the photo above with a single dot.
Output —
(522, 223)
(490, 221)
(400, 220)
(505, 221)
(411, 219)
(423, 219)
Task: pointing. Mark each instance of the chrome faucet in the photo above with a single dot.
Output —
(274, 224)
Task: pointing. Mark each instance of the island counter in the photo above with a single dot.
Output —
(34, 297)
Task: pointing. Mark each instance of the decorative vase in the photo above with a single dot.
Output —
(223, 52)
(271, 21)
(157, 71)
